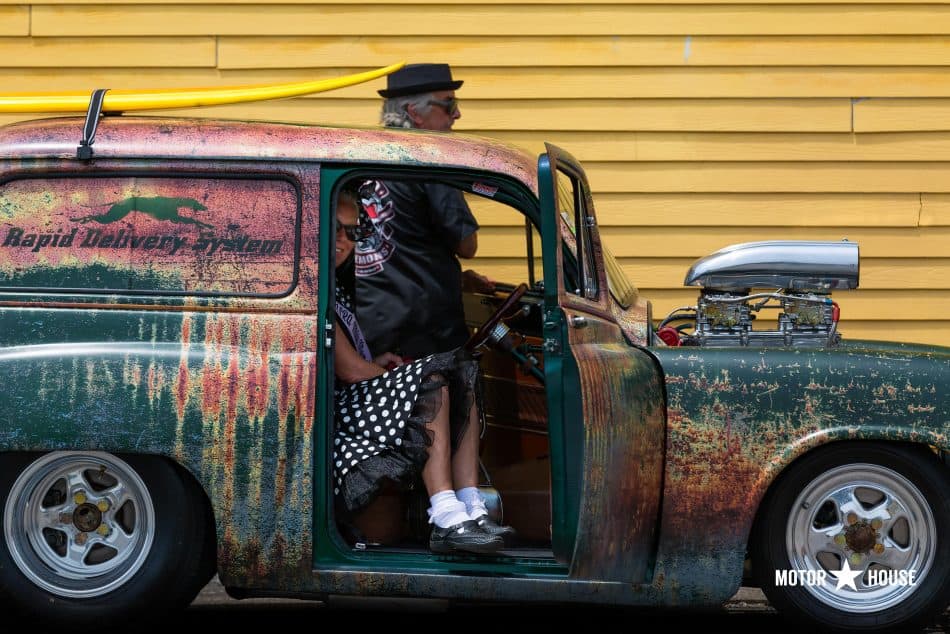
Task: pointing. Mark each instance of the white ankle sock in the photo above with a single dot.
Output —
(446, 509)
(474, 504)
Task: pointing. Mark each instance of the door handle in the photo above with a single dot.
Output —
(579, 322)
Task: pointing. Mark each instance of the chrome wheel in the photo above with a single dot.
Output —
(79, 524)
(865, 518)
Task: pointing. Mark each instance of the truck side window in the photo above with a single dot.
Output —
(179, 235)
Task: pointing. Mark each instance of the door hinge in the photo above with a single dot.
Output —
(328, 331)
(552, 324)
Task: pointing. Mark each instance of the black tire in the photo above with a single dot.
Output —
(164, 571)
(828, 507)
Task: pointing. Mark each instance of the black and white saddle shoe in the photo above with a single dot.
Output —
(489, 525)
(465, 537)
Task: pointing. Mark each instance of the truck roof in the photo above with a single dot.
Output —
(183, 138)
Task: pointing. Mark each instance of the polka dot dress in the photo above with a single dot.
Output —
(372, 415)
(380, 423)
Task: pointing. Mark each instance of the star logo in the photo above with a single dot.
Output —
(846, 576)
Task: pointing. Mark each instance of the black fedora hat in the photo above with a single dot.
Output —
(415, 79)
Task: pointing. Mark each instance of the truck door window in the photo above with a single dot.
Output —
(573, 203)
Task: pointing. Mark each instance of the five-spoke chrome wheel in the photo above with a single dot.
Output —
(79, 524)
(853, 536)
(874, 520)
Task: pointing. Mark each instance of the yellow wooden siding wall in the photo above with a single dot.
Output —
(701, 123)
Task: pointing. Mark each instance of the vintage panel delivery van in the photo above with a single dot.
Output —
(166, 376)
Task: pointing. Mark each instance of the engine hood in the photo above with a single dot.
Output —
(892, 349)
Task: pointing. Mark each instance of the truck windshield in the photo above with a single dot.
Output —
(621, 289)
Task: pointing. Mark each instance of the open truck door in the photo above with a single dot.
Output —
(605, 397)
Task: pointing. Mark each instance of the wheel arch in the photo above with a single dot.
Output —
(201, 498)
(918, 474)
(815, 441)
(203, 505)
(801, 450)
(806, 445)
(174, 553)
(188, 472)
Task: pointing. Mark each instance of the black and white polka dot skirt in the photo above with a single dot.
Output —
(380, 423)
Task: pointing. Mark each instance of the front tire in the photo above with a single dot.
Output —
(880, 510)
(89, 535)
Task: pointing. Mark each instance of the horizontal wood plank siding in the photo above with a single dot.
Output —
(694, 242)
(485, 116)
(667, 273)
(15, 20)
(701, 123)
(125, 52)
(491, 20)
(441, 3)
(614, 50)
(767, 211)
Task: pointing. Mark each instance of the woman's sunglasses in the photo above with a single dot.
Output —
(353, 232)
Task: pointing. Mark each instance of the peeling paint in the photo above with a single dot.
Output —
(731, 431)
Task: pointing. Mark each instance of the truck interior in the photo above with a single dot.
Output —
(515, 447)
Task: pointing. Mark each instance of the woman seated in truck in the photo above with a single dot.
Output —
(396, 419)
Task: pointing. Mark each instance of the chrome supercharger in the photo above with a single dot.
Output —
(795, 278)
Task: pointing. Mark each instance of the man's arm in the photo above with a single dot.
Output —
(452, 220)
(468, 246)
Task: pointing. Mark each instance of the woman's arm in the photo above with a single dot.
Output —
(349, 365)
(389, 360)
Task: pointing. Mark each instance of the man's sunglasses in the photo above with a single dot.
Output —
(353, 232)
(450, 105)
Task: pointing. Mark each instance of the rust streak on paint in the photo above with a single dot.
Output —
(156, 381)
(284, 380)
(233, 375)
(310, 395)
(181, 383)
(301, 375)
(267, 340)
(212, 380)
(211, 383)
(291, 343)
(233, 396)
(251, 373)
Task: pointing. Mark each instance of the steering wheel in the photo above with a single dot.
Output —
(487, 331)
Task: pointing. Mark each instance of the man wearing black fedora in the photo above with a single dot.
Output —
(409, 280)
(421, 96)
(408, 277)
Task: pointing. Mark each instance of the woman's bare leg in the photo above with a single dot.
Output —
(465, 460)
(447, 511)
(437, 474)
(465, 473)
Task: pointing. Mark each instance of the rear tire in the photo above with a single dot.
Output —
(881, 508)
(89, 535)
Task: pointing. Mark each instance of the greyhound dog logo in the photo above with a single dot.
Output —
(158, 207)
